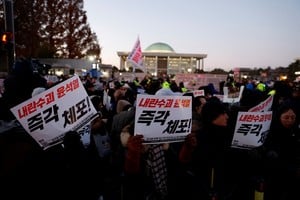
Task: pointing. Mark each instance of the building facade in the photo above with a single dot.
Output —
(160, 59)
(77, 66)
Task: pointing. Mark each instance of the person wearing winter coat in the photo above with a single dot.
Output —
(283, 155)
(215, 169)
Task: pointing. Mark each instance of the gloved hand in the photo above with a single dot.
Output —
(135, 144)
(189, 145)
(191, 141)
(133, 154)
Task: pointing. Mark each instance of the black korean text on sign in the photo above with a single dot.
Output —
(263, 137)
(146, 117)
(149, 116)
(161, 116)
(76, 112)
(250, 128)
(37, 121)
(178, 126)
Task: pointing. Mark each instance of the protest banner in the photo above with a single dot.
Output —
(266, 105)
(251, 129)
(163, 119)
(50, 114)
(232, 97)
(197, 93)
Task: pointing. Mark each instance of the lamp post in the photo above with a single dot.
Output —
(9, 28)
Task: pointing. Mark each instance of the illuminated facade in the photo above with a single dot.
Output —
(160, 58)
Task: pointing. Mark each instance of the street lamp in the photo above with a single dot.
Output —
(92, 58)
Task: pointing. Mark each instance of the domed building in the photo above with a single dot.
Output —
(160, 47)
(160, 59)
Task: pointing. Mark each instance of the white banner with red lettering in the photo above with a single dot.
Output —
(50, 114)
(197, 93)
(163, 119)
(251, 129)
(266, 105)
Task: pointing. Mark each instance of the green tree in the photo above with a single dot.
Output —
(292, 68)
(27, 23)
(53, 29)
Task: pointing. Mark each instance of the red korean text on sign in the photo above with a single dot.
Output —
(69, 87)
(37, 104)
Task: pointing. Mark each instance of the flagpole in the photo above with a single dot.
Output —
(133, 70)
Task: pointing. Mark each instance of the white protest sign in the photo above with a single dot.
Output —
(266, 105)
(197, 93)
(163, 118)
(251, 129)
(50, 114)
(234, 97)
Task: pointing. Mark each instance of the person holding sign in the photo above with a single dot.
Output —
(151, 166)
(140, 161)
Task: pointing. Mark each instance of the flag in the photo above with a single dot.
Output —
(136, 57)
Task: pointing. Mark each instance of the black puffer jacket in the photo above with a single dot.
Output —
(218, 168)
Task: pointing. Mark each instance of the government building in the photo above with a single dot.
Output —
(161, 59)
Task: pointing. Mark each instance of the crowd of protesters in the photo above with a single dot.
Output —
(114, 164)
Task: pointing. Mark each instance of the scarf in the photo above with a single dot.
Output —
(157, 163)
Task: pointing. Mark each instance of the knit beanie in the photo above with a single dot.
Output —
(123, 105)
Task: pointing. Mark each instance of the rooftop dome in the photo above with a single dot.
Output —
(159, 47)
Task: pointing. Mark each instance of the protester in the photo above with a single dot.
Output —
(214, 167)
(117, 165)
(100, 151)
(18, 87)
(149, 170)
(26, 170)
(283, 155)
